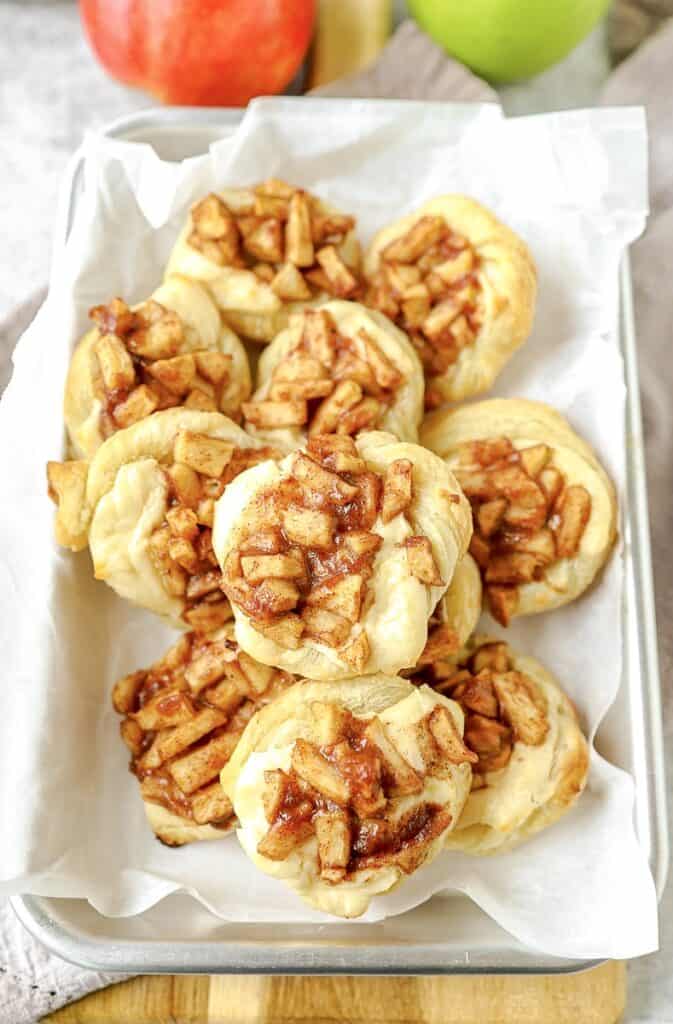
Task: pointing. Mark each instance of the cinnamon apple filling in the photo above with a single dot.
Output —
(301, 569)
(501, 706)
(284, 235)
(328, 383)
(183, 718)
(144, 364)
(181, 547)
(344, 791)
(526, 516)
(427, 283)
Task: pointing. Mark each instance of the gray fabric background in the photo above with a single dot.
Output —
(51, 92)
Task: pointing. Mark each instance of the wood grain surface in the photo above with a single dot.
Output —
(349, 36)
(593, 997)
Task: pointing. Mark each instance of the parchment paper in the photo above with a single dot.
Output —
(574, 186)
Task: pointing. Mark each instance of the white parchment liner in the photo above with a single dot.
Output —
(574, 186)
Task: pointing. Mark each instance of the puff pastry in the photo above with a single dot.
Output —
(344, 789)
(545, 511)
(532, 757)
(265, 251)
(461, 284)
(145, 506)
(455, 618)
(334, 558)
(183, 717)
(171, 350)
(338, 369)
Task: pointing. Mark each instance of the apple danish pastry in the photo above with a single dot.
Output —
(265, 251)
(145, 507)
(340, 369)
(463, 287)
(183, 717)
(545, 511)
(335, 557)
(172, 350)
(532, 757)
(343, 790)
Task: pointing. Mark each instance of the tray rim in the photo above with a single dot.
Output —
(151, 956)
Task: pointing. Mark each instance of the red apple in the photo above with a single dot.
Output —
(201, 52)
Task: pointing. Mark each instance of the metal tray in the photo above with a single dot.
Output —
(180, 936)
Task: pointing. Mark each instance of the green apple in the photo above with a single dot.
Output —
(507, 40)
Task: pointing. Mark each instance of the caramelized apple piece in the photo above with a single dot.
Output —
(521, 708)
(207, 455)
(397, 489)
(334, 845)
(276, 414)
(422, 562)
(140, 403)
(298, 237)
(574, 512)
(310, 765)
(447, 737)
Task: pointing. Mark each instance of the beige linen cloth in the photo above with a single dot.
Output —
(31, 981)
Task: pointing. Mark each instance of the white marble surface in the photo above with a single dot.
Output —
(52, 91)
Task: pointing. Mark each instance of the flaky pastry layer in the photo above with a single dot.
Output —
(344, 789)
(411, 550)
(473, 304)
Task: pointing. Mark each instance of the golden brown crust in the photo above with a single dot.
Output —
(139, 383)
(415, 554)
(173, 830)
(182, 718)
(576, 555)
(294, 761)
(543, 755)
(317, 359)
(500, 312)
(266, 251)
(125, 502)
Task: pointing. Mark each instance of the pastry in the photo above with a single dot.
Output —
(544, 509)
(532, 757)
(183, 717)
(338, 369)
(455, 618)
(265, 251)
(171, 350)
(343, 789)
(334, 558)
(461, 284)
(145, 507)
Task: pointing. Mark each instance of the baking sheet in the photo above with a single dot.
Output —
(588, 201)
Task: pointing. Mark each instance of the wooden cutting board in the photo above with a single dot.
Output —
(350, 35)
(593, 997)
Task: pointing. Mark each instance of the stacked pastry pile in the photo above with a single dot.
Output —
(325, 548)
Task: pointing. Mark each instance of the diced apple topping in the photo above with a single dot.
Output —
(141, 365)
(327, 382)
(66, 486)
(305, 552)
(334, 845)
(181, 549)
(284, 235)
(314, 768)
(502, 706)
(525, 516)
(353, 792)
(183, 718)
(574, 510)
(428, 282)
(397, 489)
(203, 454)
(422, 562)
